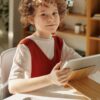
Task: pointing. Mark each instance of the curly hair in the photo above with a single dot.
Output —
(27, 8)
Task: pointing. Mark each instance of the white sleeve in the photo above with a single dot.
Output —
(68, 53)
(21, 67)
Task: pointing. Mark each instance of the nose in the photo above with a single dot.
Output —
(50, 18)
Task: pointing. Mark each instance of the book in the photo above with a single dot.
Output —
(96, 16)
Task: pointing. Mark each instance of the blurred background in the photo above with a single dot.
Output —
(10, 27)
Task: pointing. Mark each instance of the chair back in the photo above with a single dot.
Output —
(6, 59)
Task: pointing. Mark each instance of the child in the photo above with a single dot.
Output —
(38, 58)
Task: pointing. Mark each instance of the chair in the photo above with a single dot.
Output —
(6, 59)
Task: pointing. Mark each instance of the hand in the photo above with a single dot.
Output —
(58, 76)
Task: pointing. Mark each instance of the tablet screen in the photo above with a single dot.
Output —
(79, 63)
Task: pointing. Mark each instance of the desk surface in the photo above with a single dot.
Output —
(52, 92)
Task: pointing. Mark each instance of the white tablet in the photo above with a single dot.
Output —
(79, 63)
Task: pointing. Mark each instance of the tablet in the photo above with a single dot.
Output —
(79, 63)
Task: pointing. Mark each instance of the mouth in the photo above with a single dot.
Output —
(52, 25)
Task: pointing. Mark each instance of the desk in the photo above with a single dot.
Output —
(50, 93)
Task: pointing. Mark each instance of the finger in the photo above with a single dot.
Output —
(65, 69)
(58, 65)
(64, 81)
(63, 72)
(63, 77)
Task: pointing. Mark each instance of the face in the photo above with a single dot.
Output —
(47, 19)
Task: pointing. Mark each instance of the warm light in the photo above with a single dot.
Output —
(70, 92)
(1, 33)
(10, 38)
(10, 35)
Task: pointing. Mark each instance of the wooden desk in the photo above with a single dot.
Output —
(81, 88)
(79, 80)
(50, 93)
(87, 87)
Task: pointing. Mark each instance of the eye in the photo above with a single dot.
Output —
(55, 13)
(43, 14)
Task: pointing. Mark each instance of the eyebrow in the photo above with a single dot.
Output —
(44, 10)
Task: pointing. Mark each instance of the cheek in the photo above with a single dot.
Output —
(41, 21)
(42, 18)
(57, 20)
(38, 22)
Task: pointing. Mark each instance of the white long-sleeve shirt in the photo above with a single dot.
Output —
(21, 67)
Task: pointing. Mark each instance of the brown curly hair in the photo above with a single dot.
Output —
(27, 8)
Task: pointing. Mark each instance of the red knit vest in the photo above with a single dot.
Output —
(41, 64)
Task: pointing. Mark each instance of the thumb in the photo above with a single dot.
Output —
(57, 66)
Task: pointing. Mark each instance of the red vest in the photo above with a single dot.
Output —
(41, 64)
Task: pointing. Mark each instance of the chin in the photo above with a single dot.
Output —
(52, 30)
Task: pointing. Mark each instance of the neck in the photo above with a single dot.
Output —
(42, 35)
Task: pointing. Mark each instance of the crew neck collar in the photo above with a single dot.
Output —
(38, 37)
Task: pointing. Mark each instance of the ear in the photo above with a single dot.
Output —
(31, 20)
